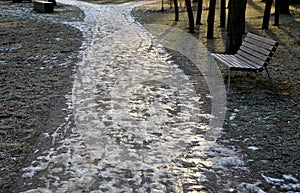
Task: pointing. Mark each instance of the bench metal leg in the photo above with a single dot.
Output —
(210, 64)
(273, 85)
(228, 82)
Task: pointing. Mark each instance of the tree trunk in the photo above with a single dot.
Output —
(53, 1)
(190, 15)
(236, 25)
(223, 14)
(211, 19)
(267, 14)
(284, 7)
(176, 10)
(199, 12)
(276, 15)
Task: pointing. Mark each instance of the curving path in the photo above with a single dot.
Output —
(139, 125)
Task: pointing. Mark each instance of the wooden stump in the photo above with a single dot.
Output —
(53, 1)
(44, 6)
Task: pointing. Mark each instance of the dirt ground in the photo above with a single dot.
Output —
(37, 60)
(38, 57)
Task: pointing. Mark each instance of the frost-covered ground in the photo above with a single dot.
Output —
(140, 124)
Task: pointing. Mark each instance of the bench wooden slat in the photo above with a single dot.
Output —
(263, 39)
(256, 48)
(250, 57)
(259, 43)
(253, 64)
(254, 53)
(234, 62)
(229, 60)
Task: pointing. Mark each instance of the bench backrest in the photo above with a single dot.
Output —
(257, 50)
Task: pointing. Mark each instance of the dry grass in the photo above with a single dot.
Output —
(284, 67)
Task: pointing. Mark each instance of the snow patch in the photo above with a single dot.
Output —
(289, 183)
(252, 187)
(253, 148)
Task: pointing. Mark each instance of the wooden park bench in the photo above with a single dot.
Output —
(254, 55)
(43, 6)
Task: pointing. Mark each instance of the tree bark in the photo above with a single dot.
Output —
(223, 14)
(276, 15)
(267, 14)
(199, 12)
(190, 15)
(176, 10)
(236, 25)
(211, 19)
(53, 1)
(284, 7)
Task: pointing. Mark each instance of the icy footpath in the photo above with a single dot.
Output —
(136, 117)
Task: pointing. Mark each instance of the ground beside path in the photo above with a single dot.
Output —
(37, 59)
(70, 162)
(265, 128)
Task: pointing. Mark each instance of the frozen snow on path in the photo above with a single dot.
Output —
(136, 114)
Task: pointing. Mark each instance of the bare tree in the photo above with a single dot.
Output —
(223, 14)
(53, 1)
(199, 12)
(267, 14)
(176, 10)
(190, 15)
(284, 7)
(211, 19)
(276, 15)
(235, 25)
